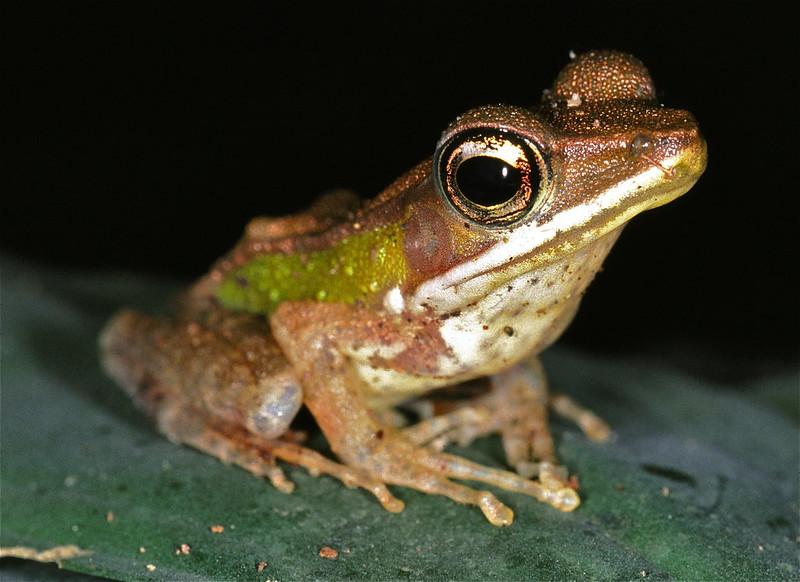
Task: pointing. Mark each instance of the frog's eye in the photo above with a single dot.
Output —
(491, 176)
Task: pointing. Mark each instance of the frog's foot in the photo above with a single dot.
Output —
(417, 469)
(258, 456)
(396, 460)
(517, 409)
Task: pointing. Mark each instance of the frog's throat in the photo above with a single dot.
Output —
(532, 245)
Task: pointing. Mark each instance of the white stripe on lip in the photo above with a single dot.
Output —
(472, 279)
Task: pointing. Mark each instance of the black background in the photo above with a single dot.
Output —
(147, 137)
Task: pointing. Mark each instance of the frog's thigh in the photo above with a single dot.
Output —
(239, 373)
(219, 383)
(211, 369)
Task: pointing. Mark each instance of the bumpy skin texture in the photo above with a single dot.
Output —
(351, 308)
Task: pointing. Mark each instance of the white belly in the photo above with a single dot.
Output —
(518, 319)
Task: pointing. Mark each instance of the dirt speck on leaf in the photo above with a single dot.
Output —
(328, 553)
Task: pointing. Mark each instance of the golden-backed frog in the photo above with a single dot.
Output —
(467, 266)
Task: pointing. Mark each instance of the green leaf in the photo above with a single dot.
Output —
(700, 483)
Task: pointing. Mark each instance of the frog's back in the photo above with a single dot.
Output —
(340, 250)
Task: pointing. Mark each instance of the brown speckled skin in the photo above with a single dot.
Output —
(212, 380)
(588, 147)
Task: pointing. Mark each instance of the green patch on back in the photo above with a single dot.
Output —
(356, 268)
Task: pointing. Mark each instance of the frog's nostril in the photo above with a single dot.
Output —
(653, 149)
(642, 144)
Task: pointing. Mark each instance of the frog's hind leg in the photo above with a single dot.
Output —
(219, 383)
(517, 408)
(258, 456)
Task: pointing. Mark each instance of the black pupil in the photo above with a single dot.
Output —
(487, 181)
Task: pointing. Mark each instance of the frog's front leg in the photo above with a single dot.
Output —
(314, 337)
(517, 408)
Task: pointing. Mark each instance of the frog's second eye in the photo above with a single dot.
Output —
(491, 176)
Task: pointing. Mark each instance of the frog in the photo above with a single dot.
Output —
(467, 266)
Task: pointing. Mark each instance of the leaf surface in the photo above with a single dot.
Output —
(700, 482)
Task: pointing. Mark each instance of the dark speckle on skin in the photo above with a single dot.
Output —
(242, 282)
(508, 330)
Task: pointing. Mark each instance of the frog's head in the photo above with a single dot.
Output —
(518, 188)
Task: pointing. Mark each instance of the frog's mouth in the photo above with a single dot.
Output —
(534, 245)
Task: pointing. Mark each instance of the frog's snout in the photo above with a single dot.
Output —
(680, 150)
(691, 152)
